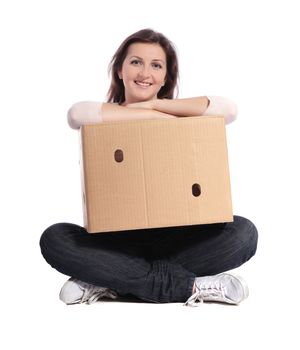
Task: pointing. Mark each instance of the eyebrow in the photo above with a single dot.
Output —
(155, 59)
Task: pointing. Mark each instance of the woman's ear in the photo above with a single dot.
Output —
(120, 75)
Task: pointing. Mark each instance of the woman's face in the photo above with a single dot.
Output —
(143, 72)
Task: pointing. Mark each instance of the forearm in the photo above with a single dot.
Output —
(184, 107)
(195, 106)
(113, 112)
(83, 113)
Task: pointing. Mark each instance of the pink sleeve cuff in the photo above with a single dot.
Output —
(82, 113)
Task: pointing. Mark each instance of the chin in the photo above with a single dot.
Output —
(145, 98)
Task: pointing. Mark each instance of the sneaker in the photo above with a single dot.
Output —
(75, 291)
(223, 288)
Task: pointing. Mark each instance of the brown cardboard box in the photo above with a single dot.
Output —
(140, 174)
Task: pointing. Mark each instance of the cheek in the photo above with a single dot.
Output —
(160, 78)
(128, 72)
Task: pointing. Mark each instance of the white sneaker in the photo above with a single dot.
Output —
(75, 291)
(223, 288)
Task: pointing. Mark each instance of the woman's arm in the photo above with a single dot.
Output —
(111, 112)
(195, 106)
(88, 112)
(184, 107)
(95, 112)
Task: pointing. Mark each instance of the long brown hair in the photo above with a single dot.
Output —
(116, 92)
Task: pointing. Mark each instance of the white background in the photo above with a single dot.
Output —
(55, 53)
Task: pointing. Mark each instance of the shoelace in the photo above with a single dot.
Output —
(205, 291)
(92, 293)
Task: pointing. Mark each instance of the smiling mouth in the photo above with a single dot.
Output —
(140, 83)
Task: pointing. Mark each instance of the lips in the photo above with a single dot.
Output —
(143, 84)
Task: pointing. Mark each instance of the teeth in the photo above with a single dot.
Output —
(142, 84)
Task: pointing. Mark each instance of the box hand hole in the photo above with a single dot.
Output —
(196, 190)
(119, 156)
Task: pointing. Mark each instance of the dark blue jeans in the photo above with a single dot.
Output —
(155, 265)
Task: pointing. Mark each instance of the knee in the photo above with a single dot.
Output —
(60, 233)
(48, 236)
(49, 233)
(54, 234)
(247, 234)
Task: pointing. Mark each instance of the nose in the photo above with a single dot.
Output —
(144, 72)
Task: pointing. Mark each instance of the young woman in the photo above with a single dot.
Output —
(171, 264)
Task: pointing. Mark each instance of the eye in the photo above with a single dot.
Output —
(156, 65)
(135, 62)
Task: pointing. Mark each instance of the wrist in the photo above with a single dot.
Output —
(151, 104)
(155, 104)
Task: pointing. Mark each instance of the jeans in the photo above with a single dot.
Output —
(156, 265)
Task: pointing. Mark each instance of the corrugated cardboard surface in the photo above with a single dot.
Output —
(140, 174)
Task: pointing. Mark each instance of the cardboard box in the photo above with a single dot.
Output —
(139, 174)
